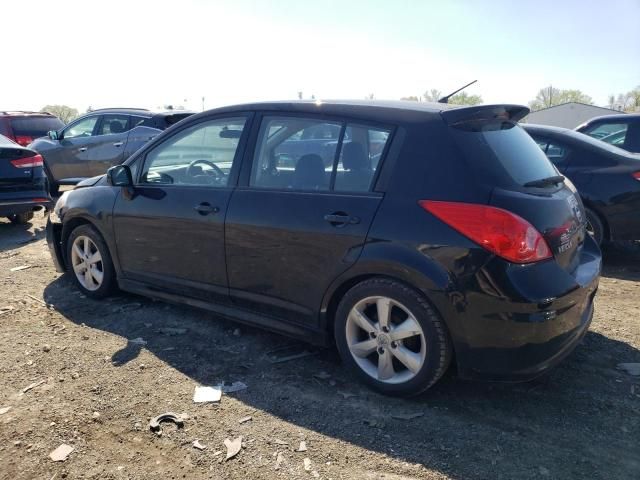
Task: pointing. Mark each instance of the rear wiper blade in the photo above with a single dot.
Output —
(544, 182)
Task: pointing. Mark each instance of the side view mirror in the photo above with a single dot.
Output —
(120, 176)
(53, 134)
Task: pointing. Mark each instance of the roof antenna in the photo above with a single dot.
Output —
(446, 99)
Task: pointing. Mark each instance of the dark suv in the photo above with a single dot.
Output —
(91, 144)
(24, 127)
(456, 236)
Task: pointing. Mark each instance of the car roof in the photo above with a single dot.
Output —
(612, 118)
(137, 111)
(24, 113)
(573, 137)
(396, 111)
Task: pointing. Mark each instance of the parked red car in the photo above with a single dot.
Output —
(24, 127)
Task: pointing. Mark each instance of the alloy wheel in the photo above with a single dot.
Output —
(385, 339)
(87, 263)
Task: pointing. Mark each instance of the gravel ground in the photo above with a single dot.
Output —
(96, 391)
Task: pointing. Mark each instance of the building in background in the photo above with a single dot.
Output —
(567, 115)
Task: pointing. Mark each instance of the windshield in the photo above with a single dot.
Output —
(502, 153)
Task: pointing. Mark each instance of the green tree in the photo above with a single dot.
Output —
(463, 98)
(63, 112)
(432, 95)
(550, 96)
(630, 101)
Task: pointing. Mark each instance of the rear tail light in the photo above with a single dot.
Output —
(23, 140)
(27, 162)
(636, 175)
(499, 231)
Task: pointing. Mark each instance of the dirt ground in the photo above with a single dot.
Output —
(582, 420)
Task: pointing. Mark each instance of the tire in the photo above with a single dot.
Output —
(101, 279)
(21, 218)
(428, 353)
(595, 226)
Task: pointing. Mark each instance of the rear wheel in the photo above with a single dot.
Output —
(595, 228)
(391, 337)
(89, 262)
(21, 218)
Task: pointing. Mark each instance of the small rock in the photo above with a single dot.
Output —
(198, 445)
(279, 460)
(142, 366)
(85, 337)
(307, 464)
(241, 421)
(96, 415)
(75, 375)
(46, 348)
(17, 443)
(4, 410)
(302, 447)
(137, 425)
(61, 453)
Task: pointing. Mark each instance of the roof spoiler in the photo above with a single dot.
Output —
(484, 113)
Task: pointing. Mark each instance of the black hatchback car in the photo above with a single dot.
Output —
(456, 237)
(607, 179)
(23, 183)
(89, 145)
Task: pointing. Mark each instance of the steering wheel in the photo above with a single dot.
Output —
(192, 173)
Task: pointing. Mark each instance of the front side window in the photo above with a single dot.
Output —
(315, 155)
(83, 128)
(202, 154)
(113, 124)
(613, 133)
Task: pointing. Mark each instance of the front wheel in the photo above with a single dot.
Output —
(391, 337)
(90, 263)
(595, 228)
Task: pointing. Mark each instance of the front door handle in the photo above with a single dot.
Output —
(118, 144)
(83, 149)
(340, 219)
(205, 209)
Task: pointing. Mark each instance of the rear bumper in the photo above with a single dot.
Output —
(21, 205)
(54, 242)
(518, 340)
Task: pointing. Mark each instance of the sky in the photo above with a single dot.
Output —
(139, 53)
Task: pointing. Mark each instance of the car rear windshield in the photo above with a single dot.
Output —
(34, 126)
(502, 153)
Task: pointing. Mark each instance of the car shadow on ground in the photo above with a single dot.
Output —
(582, 412)
(15, 236)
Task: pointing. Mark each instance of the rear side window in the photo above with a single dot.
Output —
(502, 153)
(34, 126)
(613, 133)
(314, 155)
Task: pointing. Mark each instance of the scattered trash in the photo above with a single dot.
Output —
(4, 410)
(206, 394)
(307, 464)
(279, 460)
(234, 387)
(32, 386)
(46, 348)
(302, 447)
(322, 375)
(154, 424)
(292, 357)
(127, 308)
(172, 331)
(233, 447)
(138, 341)
(407, 416)
(241, 421)
(346, 395)
(630, 368)
(198, 445)
(281, 442)
(21, 267)
(61, 453)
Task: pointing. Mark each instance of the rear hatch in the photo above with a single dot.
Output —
(29, 127)
(17, 165)
(522, 179)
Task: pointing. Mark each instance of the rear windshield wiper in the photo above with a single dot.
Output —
(545, 182)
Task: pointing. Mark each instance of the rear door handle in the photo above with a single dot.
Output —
(340, 219)
(118, 144)
(83, 149)
(205, 209)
